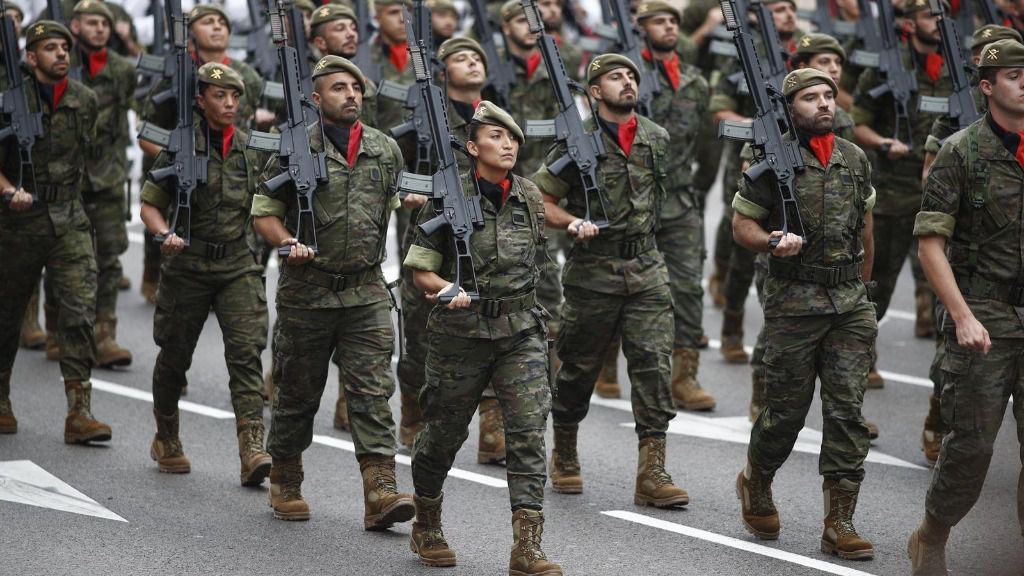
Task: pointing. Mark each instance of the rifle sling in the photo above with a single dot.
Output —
(828, 276)
(334, 282)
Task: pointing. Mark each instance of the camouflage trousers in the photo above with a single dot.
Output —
(304, 341)
(71, 268)
(183, 303)
(760, 275)
(458, 370)
(836, 348)
(976, 388)
(106, 211)
(894, 241)
(590, 321)
(549, 288)
(681, 242)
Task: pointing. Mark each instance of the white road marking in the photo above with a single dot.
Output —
(25, 482)
(906, 379)
(744, 545)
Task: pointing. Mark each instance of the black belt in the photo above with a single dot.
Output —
(216, 250)
(333, 282)
(55, 193)
(626, 249)
(500, 307)
(828, 276)
(980, 287)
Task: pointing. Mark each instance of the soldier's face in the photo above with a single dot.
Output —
(444, 23)
(494, 147)
(338, 38)
(828, 63)
(926, 28)
(392, 23)
(551, 14)
(17, 18)
(785, 18)
(1006, 94)
(340, 98)
(466, 70)
(616, 90)
(849, 7)
(662, 30)
(517, 30)
(211, 33)
(814, 109)
(49, 58)
(92, 30)
(219, 106)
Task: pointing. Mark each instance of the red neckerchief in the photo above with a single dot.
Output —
(532, 62)
(58, 91)
(670, 66)
(355, 135)
(97, 60)
(822, 147)
(476, 103)
(955, 6)
(627, 131)
(506, 186)
(933, 66)
(1020, 150)
(195, 56)
(399, 55)
(225, 141)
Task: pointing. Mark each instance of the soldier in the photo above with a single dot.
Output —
(335, 301)
(13, 10)
(615, 281)
(970, 242)
(551, 11)
(819, 322)
(43, 223)
(499, 340)
(392, 54)
(444, 21)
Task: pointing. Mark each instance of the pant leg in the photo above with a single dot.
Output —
(549, 288)
(739, 278)
(1018, 415)
(23, 257)
(182, 306)
(415, 312)
(71, 270)
(723, 241)
(893, 236)
(681, 242)
(647, 344)
(760, 275)
(241, 308)
(105, 209)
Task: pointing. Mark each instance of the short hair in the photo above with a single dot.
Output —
(988, 73)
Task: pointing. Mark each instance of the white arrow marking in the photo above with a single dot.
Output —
(23, 482)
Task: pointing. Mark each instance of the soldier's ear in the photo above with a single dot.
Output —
(595, 91)
(472, 148)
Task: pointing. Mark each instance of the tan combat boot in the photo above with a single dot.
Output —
(872, 429)
(565, 462)
(491, 449)
(924, 303)
(527, 559)
(150, 281)
(607, 385)
(654, 485)
(166, 448)
(927, 548)
(732, 338)
(754, 490)
(427, 540)
(686, 391)
(715, 283)
(32, 335)
(286, 489)
(80, 427)
(124, 284)
(933, 433)
(108, 353)
(875, 380)
(840, 537)
(412, 420)
(383, 504)
(341, 411)
(8, 423)
(255, 462)
(757, 393)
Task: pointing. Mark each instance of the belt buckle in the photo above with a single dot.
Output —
(490, 308)
(629, 250)
(49, 194)
(338, 283)
(832, 276)
(215, 251)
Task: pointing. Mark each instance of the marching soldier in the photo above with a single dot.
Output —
(444, 21)
(335, 301)
(819, 322)
(43, 223)
(970, 243)
(499, 340)
(615, 280)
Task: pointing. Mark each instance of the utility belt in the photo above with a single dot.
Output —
(500, 307)
(334, 282)
(980, 287)
(216, 250)
(55, 193)
(828, 276)
(626, 249)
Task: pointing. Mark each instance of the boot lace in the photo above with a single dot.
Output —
(843, 504)
(529, 539)
(761, 500)
(656, 467)
(384, 479)
(252, 441)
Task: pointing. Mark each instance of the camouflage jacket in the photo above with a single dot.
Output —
(532, 99)
(832, 203)
(164, 115)
(351, 212)
(974, 198)
(59, 163)
(115, 88)
(899, 182)
(503, 251)
(634, 190)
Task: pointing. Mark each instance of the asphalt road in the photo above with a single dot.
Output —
(205, 523)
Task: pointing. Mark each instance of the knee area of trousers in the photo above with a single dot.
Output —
(363, 403)
(842, 412)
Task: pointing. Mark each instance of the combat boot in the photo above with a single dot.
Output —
(607, 385)
(757, 393)
(872, 429)
(732, 338)
(875, 380)
(427, 540)
(341, 412)
(412, 420)
(383, 504)
(32, 335)
(255, 462)
(166, 449)
(286, 489)
(565, 462)
(654, 485)
(80, 427)
(108, 353)
(924, 322)
(527, 559)
(933, 433)
(686, 391)
(491, 449)
(927, 548)
(8, 423)
(754, 490)
(150, 281)
(715, 283)
(840, 537)
(124, 284)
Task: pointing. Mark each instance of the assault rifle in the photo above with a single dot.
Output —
(461, 215)
(628, 40)
(419, 122)
(583, 149)
(257, 44)
(771, 134)
(187, 169)
(721, 38)
(296, 31)
(991, 13)
(363, 59)
(151, 66)
(775, 55)
(19, 121)
(959, 105)
(300, 165)
(501, 74)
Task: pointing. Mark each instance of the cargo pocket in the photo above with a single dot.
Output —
(956, 403)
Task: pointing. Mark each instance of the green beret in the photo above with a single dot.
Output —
(333, 64)
(96, 7)
(330, 13)
(605, 63)
(816, 43)
(221, 75)
(488, 112)
(510, 10)
(1002, 54)
(655, 8)
(442, 6)
(912, 6)
(205, 10)
(797, 80)
(305, 5)
(14, 6)
(987, 34)
(453, 45)
(770, 2)
(44, 29)
(383, 3)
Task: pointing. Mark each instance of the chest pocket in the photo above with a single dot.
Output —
(64, 138)
(987, 217)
